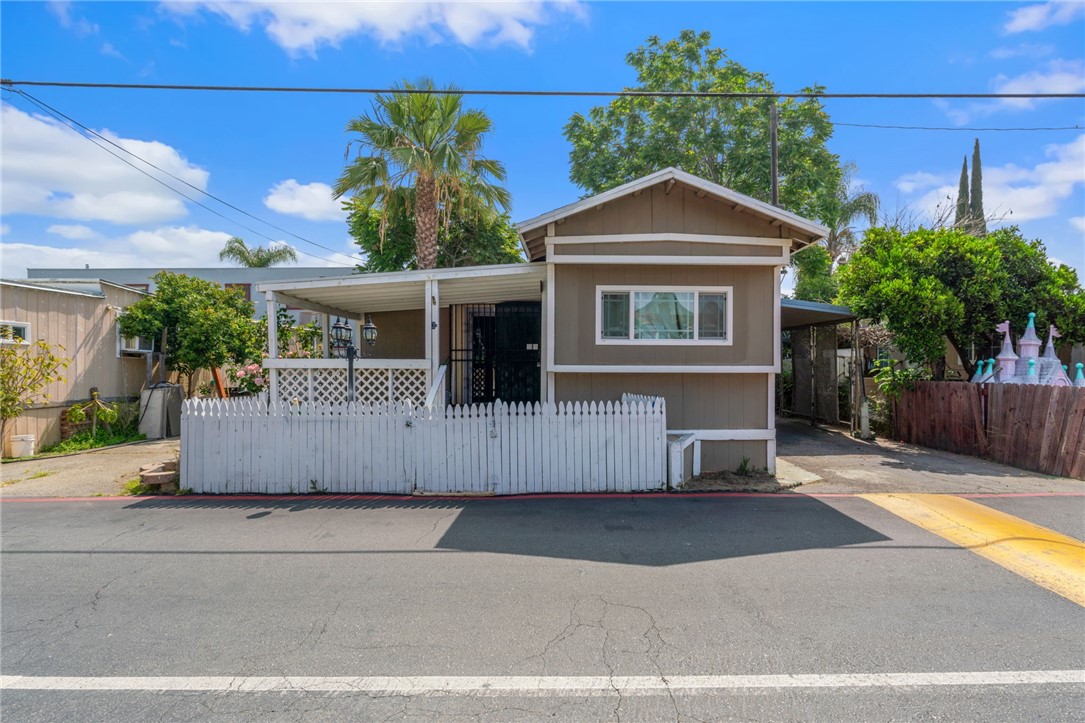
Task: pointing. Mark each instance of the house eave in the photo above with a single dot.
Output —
(814, 231)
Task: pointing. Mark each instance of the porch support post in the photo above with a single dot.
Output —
(324, 342)
(544, 345)
(272, 343)
(432, 305)
(548, 333)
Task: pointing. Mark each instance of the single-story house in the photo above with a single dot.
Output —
(667, 286)
(80, 316)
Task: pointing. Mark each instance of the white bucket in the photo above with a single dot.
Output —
(22, 445)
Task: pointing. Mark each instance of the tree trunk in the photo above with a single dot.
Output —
(425, 216)
(969, 367)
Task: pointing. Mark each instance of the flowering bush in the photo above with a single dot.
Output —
(249, 378)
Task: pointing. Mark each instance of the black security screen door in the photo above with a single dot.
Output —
(516, 356)
(496, 352)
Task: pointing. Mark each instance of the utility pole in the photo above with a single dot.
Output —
(775, 155)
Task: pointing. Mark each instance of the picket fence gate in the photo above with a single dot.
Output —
(249, 446)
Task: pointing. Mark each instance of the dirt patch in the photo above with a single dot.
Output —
(733, 482)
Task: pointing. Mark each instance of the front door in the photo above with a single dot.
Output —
(516, 361)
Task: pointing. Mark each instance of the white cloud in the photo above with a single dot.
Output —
(918, 181)
(76, 232)
(4, 229)
(1044, 15)
(1024, 194)
(1055, 76)
(312, 201)
(63, 13)
(108, 49)
(1078, 222)
(164, 247)
(302, 27)
(51, 170)
(1022, 50)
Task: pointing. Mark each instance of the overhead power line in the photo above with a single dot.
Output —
(545, 93)
(953, 128)
(67, 120)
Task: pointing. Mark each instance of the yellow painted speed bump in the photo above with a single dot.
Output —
(1047, 558)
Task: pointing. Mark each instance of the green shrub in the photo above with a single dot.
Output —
(86, 440)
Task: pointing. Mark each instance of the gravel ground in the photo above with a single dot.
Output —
(86, 474)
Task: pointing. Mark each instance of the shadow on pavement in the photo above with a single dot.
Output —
(651, 531)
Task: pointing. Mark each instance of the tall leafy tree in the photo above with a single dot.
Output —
(975, 199)
(815, 280)
(206, 326)
(930, 286)
(841, 210)
(469, 239)
(963, 216)
(722, 140)
(420, 155)
(238, 251)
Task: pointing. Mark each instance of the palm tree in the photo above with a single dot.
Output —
(847, 205)
(256, 257)
(424, 152)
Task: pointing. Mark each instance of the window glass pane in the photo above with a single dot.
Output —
(712, 316)
(663, 315)
(616, 315)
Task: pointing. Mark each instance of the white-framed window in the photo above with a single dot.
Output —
(664, 315)
(14, 332)
(133, 344)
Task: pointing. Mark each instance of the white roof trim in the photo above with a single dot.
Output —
(418, 276)
(689, 179)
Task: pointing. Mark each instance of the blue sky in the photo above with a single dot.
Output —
(68, 203)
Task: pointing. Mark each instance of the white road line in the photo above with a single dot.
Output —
(548, 685)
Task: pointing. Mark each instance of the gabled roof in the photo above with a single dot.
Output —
(815, 230)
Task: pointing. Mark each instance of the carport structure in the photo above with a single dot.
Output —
(817, 364)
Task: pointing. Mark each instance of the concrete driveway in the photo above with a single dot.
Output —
(96, 473)
(852, 466)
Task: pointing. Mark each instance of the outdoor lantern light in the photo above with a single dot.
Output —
(369, 331)
(341, 337)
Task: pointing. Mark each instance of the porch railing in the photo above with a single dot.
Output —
(324, 381)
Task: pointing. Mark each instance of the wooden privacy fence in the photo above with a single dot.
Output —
(248, 446)
(1035, 427)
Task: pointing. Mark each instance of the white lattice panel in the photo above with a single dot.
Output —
(320, 386)
(294, 384)
(410, 384)
(329, 385)
(371, 385)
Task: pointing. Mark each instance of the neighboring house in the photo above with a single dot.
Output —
(80, 316)
(668, 286)
(237, 276)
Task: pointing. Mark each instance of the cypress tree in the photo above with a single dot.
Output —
(979, 222)
(963, 211)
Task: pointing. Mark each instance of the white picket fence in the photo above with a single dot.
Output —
(248, 446)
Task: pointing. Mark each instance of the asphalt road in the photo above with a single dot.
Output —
(570, 609)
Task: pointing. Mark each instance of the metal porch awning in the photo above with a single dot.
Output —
(403, 290)
(795, 314)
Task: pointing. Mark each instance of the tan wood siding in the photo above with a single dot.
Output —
(400, 335)
(694, 401)
(752, 324)
(86, 327)
(655, 211)
(665, 248)
(717, 456)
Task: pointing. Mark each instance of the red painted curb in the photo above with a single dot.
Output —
(462, 498)
(421, 498)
